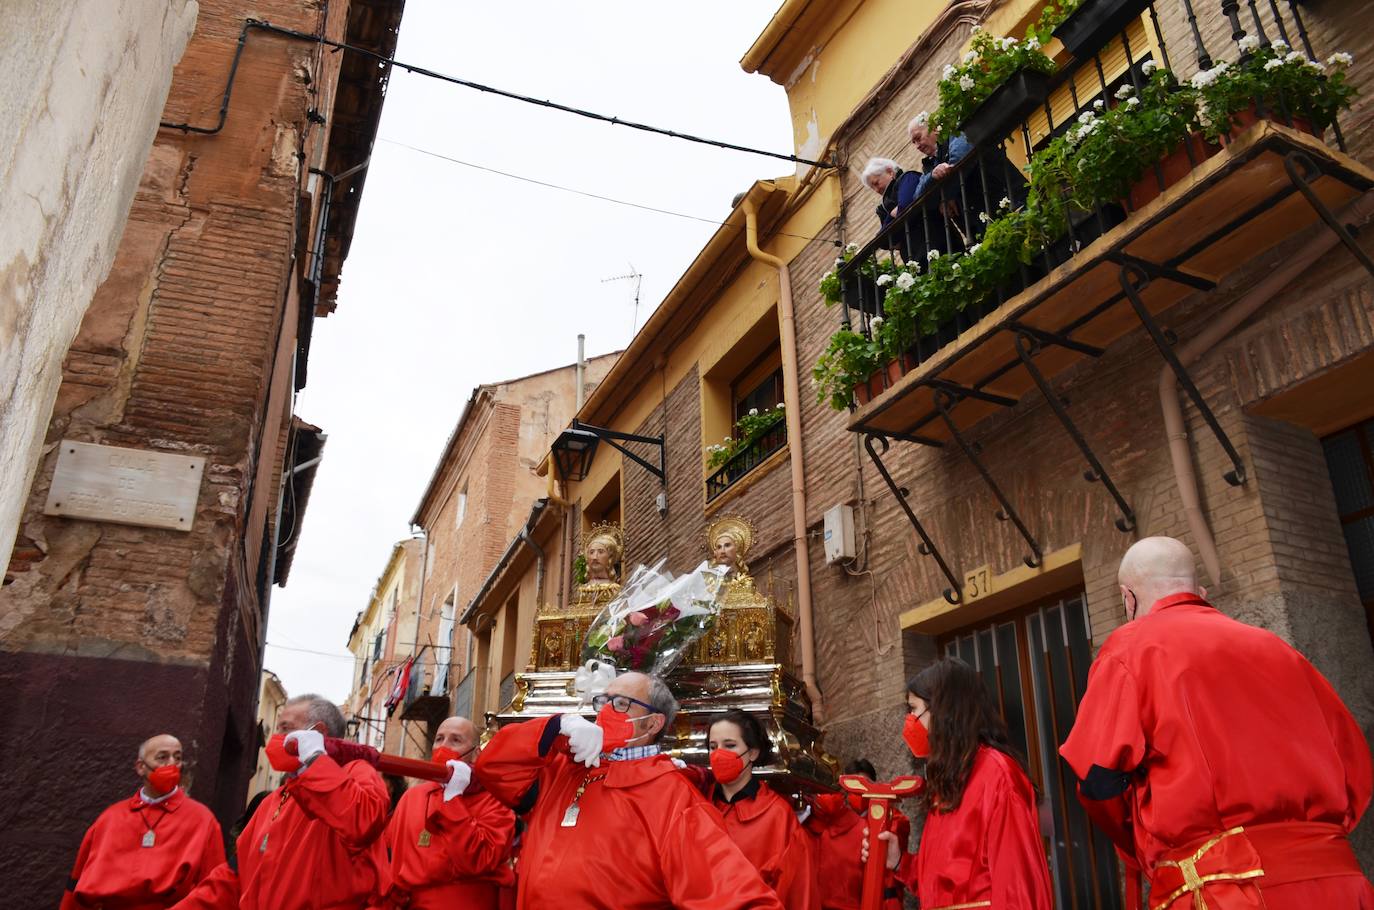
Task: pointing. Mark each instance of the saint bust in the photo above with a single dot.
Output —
(729, 539)
(602, 552)
(750, 628)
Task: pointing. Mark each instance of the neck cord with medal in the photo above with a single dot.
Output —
(149, 838)
(262, 848)
(570, 814)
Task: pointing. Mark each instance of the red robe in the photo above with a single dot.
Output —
(644, 838)
(1202, 724)
(450, 855)
(765, 828)
(313, 844)
(112, 865)
(839, 833)
(987, 849)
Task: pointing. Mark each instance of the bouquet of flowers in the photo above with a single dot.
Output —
(655, 618)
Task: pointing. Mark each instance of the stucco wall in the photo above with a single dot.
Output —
(82, 84)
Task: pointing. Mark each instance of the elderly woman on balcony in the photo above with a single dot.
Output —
(899, 189)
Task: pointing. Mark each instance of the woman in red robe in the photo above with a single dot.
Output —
(981, 844)
(760, 822)
(837, 826)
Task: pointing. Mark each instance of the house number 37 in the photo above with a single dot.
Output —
(978, 583)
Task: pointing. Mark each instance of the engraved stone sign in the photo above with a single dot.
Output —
(125, 486)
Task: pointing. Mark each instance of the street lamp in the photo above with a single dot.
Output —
(575, 447)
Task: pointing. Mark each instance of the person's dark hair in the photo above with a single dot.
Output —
(861, 766)
(963, 716)
(750, 730)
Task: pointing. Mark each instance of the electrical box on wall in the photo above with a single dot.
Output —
(839, 534)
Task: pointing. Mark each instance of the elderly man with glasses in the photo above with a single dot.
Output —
(611, 824)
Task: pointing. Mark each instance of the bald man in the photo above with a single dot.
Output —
(1215, 756)
(450, 843)
(315, 843)
(150, 850)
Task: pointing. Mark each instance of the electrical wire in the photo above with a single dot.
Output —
(568, 189)
(515, 96)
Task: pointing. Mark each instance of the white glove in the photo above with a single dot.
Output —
(584, 738)
(309, 744)
(677, 763)
(460, 775)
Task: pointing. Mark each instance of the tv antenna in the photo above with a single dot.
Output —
(638, 279)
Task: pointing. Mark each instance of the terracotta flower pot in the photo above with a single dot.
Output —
(1175, 166)
(1243, 120)
(861, 393)
(895, 371)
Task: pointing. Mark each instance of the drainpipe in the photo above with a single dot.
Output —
(581, 394)
(1218, 327)
(533, 544)
(787, 337)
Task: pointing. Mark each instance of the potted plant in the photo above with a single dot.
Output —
(748, 429)
(844, 368)
(1272, 83)
(1085, 26)
(997, 84)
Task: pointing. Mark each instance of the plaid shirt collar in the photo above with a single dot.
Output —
(630, 753)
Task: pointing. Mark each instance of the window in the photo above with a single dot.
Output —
(755, 394)
(1035, 665)
(378, 645)
(443, 645)
(462, 509)
(1350, 459)
(763, 396)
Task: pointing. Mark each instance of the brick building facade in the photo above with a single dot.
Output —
(195, 344)
(1285, 387)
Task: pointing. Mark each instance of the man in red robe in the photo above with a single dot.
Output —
(1215, 756)
(150, 850)
(837, 824)
(611, 823)
(315, 842)
(450, 843)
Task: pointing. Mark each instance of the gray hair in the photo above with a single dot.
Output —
(320, 710)
(661, 697)
(877, 166)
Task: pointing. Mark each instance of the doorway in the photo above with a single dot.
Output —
(1035, 663)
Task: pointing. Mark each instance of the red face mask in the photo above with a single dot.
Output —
(165, 779)
(443, 755)
(726, 765)
(616, 728)
(278, 757)
(855, 801)
(916, 735)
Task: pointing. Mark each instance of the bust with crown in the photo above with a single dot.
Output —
(559, 630)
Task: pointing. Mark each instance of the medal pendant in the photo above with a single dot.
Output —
(424, 838)
(262, 848)
(149, 839)
(570, 817)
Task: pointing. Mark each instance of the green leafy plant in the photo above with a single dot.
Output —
(989, 63)
(1279, 79)
(847, 360)
(579, 568)
(748, 429)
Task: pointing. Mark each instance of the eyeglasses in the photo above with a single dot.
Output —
(621, 703)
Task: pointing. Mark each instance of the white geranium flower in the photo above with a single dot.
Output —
(975, 248)
(1279, 45)
(1125, 91)
(970, 56)
(1005, 204)
(932, 255)
(1340, 58)
(966, 83)
(983, 217)
(1099, 104)
(947, 72)
(1294, 57)
(1086, 117)
(875, 323)
(1132, 102)
(977, 29)
(955, 267)
(780, 406)
(1033, 44)
(884, 280)
(1273, 64)
(1315, 66)
(1008, 43)
(728, 439)
(1248, 43)
(851, 248)
(905, 281)
(1148, 67)
(839, 261)
(753, 412)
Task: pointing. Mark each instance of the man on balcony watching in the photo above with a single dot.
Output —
(149, 850)
(450, 843)
(1214, 755)
(611, 824)
(315, 842)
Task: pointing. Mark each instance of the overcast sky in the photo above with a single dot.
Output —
(459, 277)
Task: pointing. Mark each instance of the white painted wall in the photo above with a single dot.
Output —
(82, 85)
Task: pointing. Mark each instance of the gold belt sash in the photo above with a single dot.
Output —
(1193, 882)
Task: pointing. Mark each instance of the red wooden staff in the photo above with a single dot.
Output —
(877, 797)
(342, 751)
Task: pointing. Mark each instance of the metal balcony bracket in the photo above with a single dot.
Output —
(1302, 171)
(918, 440)
(1064, 341)
(927, 546)
(944, 401)
(1133, 281)
(1027, 346)
(1157, 270)
(957, 391)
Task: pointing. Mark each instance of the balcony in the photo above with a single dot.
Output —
(769, 440)
(1090, 265)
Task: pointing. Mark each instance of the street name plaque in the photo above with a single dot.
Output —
(125, 486)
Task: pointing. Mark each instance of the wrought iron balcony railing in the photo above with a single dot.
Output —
(766, 444)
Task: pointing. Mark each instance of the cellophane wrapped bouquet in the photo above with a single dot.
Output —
(655, 618)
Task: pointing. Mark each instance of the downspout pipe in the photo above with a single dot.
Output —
(791, 390)
(1219, 327)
